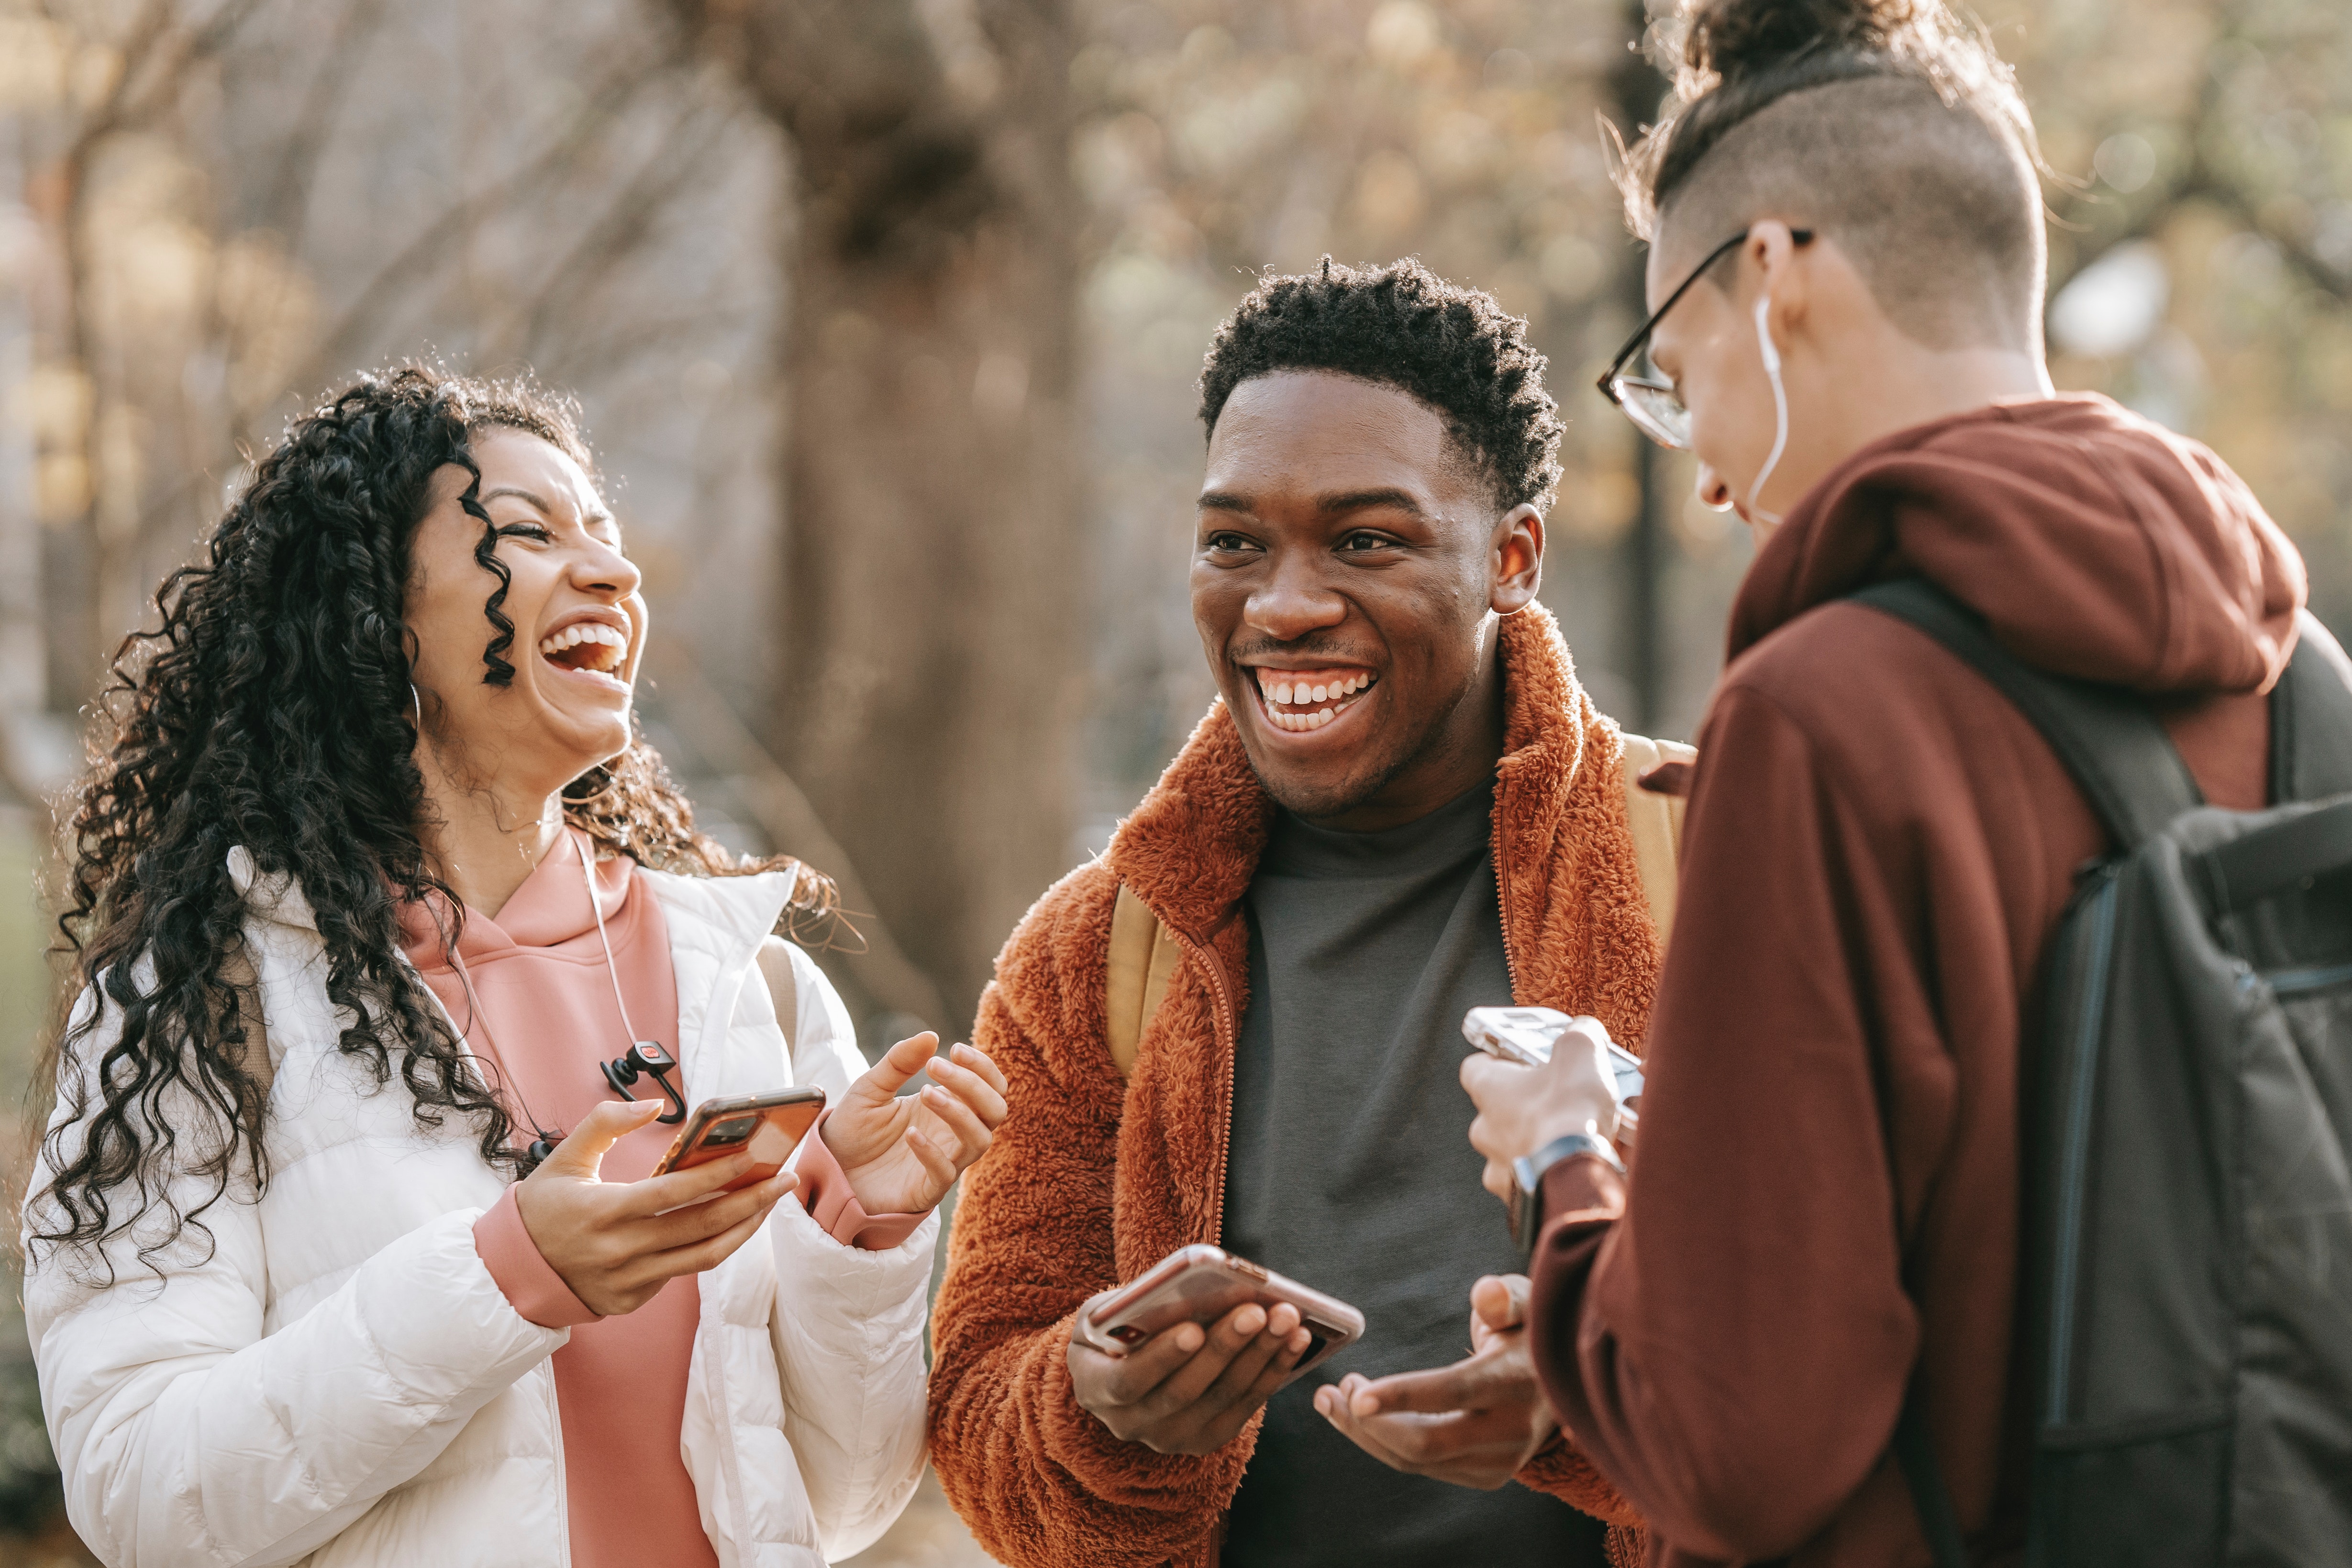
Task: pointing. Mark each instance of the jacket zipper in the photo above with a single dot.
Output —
(1227, 1027)
(1502, 887)
(2075, 1154)
(1228, 1033)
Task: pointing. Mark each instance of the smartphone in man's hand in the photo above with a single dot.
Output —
(1202, 1284)
(1524, 1036)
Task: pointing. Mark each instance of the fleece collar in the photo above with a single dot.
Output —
(1191, 847)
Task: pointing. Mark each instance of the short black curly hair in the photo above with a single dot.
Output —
(1453, 348)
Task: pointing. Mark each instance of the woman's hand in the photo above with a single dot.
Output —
(902, 1152)
(1521, 1108)
(616, 1244)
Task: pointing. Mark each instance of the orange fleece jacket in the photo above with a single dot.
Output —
(1091, 1180)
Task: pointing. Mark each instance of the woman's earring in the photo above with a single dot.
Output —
(416, 705)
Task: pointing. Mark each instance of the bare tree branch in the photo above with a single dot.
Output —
(156, 54)
(420, 257)
(621, 230)
(624, 342)
(2203, 181)
(2294, 252)
(289, 201)
(707, 723)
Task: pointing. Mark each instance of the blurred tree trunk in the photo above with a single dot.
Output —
(1633, 87)
(932, 658)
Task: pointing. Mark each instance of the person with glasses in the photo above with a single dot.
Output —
(378, 902)
(1822, 1214)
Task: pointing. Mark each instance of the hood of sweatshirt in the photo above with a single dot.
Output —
(2095, 542)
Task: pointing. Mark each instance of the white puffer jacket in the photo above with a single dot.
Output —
(336, 1379)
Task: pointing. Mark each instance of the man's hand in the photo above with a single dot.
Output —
(902, 1152)
(1191, 1390)
(1476, 1422)
(616, 1244)
(1521, 1108)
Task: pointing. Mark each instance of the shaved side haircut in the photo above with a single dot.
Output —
(1884, 124)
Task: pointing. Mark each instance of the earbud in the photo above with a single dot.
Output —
(648, 1058)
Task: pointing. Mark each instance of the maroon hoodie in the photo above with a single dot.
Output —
(1876, 851)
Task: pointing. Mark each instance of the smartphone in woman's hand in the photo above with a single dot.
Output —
(770, 1126)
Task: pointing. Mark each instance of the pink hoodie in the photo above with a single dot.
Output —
(620, 1383)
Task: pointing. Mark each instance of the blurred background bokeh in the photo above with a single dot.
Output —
(885, 316)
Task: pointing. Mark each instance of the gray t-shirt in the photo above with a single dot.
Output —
(1351, 1171)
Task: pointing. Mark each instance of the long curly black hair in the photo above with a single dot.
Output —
(272, 709)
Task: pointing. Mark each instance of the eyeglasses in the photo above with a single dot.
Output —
(1654, 405)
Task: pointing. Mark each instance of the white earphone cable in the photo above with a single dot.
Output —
(1779, 411)
(612, 969)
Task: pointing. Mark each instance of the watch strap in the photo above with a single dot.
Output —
(1526, 1181)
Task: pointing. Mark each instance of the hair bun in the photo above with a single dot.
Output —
(1729, 39)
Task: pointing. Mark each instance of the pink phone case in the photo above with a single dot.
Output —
(1201, 1284)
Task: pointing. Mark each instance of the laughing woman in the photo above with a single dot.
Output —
(374, 881)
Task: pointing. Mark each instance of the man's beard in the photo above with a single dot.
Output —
(1347, 796)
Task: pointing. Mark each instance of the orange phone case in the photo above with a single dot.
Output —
(1201, 1284)
(770, 1125)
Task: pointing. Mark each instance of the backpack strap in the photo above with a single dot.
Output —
(2108, 738)
(2311, 721)
(1143, 955)
(1657, 824)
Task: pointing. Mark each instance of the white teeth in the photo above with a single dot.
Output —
(1282, 693)
(580, 632)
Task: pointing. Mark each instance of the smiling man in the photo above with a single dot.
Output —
(1402, 805)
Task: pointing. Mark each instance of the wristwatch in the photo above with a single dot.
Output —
(1527, 1183)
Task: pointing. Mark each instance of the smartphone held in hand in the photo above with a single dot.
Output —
(1524, 1036)
(770, 1126)
(1202, 1284)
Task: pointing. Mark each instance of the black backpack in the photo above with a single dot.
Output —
(2187, 1140)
